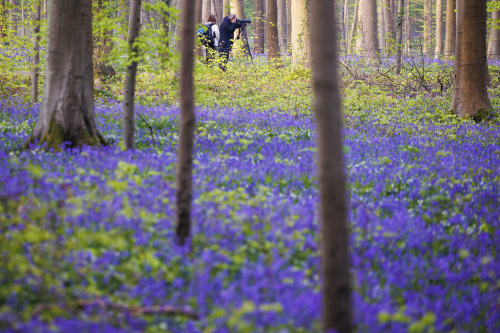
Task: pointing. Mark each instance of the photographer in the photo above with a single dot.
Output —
(227, 28)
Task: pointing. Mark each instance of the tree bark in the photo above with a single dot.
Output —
(13, 15)
(470, 95)
(129, 94)
(288, 26)
(399, 35)
(36, 56)
(205, 11)
(259, 27)
(301, 44)
(67, 113)
(217, 5)
(345, 25)
(493, 44)
(427, 26)
(389, 24)
(383, 30)
(282, 25)
(273, 45)
(226, 8)
(3, 15)
(336, 288)
(187, 123)
(407, 27)
(449, 44)
(438, 51)
(354, 26)
(237, 8)
(370, 37)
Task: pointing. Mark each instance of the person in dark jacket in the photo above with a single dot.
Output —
(227, 28)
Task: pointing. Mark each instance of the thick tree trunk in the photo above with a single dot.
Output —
(427, 26)
(354, 27)
(129, 94)
(282, 25)
(399, 35)
(218, 5)
(36, 56)
(237, 8)
(438, 51)
(273, 45)
(187, 123)
(301, 47)
(226, 8)
(259, 27)
(67, 114)
(493, 44)
(370, 37)
(336, 288)
(450, 37)
(470, 95)
(205, 10)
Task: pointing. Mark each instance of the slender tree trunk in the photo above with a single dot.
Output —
(187, 123)
(427, 26)
(282, 25)
(407, 27)
(493, 44)
(345, 25)
(198, 20)
(36, 55)
(354, 26)
(13, 13)
(23, 9)
(336, 288)
(383, 30)
(288, 25)
(360, 37)
(129, 94)
(399, 35)
(470, 94)
(389, 23)
(370, 37)
(301, 47)
(439, 29)
(450, 37)
(259, 27)
(3, 15)
(273, 46)
(67, 114)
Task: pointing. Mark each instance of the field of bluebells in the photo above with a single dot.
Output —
(97, 226)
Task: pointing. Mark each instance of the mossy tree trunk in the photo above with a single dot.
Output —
(301, 43)
(258, 23)
(470, 95)
(67, 113)
(129, 94)
(187, 123)
(336, 284)
(3, 15)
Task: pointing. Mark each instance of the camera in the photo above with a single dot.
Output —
(243, 22)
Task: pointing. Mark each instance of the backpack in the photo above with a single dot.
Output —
(206, 35)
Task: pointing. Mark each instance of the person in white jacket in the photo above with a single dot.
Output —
(211, 50)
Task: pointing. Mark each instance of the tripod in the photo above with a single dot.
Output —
(243, 33)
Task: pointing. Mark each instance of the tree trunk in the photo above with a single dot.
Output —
(336, 288)
(301, 47)
(427, 26)
(3, 15)
(259, 27)
(354, 26)
(493, 44)
(399, 35)
(449, 43)
(129, 94)
(407, 27)
(205, 11)
(13, 15)
(198, 20)
(345, 25)
(389, 24)
(470, 95)
(439, 29)
(370, 37)
(237, 8)
(273, 46)
(282, 25)
(359, 39)
(36, 57)
(383, 30)
(226, 8)
(218, 5)
(67, 114)
(288, 26)
(187, 123)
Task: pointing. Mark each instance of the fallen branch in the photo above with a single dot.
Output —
(134, 311)
(151, 131)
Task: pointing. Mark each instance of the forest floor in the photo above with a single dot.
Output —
(87, 237)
